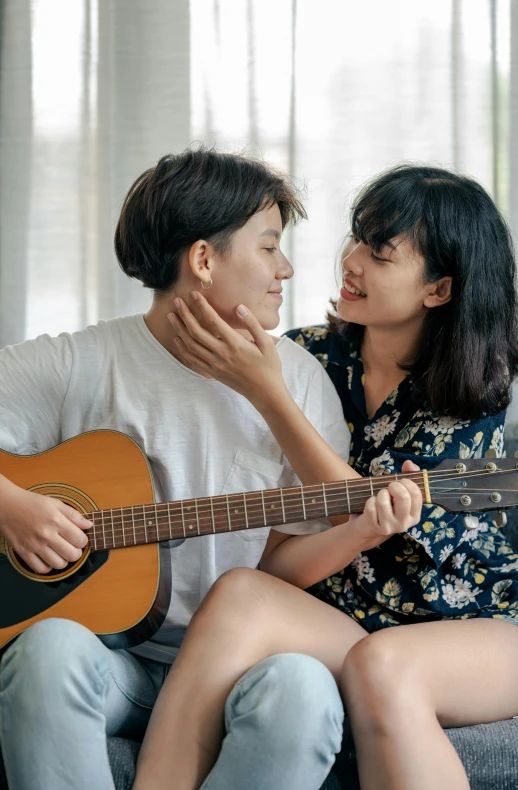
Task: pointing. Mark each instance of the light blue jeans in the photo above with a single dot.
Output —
(62, 692)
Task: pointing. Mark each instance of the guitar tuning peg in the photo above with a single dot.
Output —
(491, 453)
(501, 519)
(470, 522)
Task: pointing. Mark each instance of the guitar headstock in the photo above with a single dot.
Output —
(465, 485)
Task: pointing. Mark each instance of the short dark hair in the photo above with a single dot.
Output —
(197, 194)
(468, 355)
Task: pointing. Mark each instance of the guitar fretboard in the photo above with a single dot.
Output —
(131, 526)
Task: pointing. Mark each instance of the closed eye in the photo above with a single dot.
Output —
(270, 249)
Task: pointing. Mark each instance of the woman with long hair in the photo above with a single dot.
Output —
(418, 629)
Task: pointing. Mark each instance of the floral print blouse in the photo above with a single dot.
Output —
(440, 568)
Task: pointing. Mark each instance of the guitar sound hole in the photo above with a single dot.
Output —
(55, 574)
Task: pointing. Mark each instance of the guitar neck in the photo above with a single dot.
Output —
(131, 526)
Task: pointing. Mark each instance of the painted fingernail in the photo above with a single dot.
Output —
(178, 303)
(242, 311)
(194, 294)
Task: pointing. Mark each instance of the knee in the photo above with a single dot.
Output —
(47, 654)
(238, 593)
(378, 676)
(295, 699)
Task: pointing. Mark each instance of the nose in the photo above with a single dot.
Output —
(351, 260)
(284, 270)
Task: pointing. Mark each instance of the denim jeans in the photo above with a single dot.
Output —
(62, 692)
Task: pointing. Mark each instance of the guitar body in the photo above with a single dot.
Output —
(121, 594)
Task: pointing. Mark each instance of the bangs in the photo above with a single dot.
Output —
(384, 212)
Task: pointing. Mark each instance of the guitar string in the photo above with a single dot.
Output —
(296, 492)
(175, 528)
(289, 494)
(354, 496)
(357, 493)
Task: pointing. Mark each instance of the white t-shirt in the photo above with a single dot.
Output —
(201, 438)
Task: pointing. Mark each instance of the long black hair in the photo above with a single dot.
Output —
(468, 353)
(196, 194)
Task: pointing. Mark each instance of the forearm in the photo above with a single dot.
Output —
(303, 560)
(308, 453)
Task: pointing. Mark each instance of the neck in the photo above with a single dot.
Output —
(385, 348)
(158, 323)
(160, 326)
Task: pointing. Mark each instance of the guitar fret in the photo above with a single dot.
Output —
(102, 525)
(372, 490)
(264, 509)
(282, 505)
(212, 515)
(197, 517)
(133, 524)
(324, 494)
(113, 528)
(246, 512)
(156, 521)
(348, 500)
(183, 519)
(228, 511)
(94, 532)
(123, 532)
(145, 521)
(303, 503)
(169, 521)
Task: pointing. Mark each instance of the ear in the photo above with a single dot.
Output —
(201, 260)
(438, 293)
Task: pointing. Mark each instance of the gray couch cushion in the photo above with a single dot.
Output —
(488, 751)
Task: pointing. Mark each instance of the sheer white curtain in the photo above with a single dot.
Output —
(94, 91)
(336, 91)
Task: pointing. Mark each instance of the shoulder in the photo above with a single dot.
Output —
(303, 371)
(309, 337)
(98, 338)
(43, 350)
(433, 435)
(296, 357)
(313, 390)
(323, 344)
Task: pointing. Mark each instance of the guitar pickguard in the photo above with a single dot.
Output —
(22, 597)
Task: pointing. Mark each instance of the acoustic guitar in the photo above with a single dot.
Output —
(120, 587)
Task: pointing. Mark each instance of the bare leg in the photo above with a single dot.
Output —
(401, 686)
(246, 617)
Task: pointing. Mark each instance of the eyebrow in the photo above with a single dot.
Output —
(271, 232)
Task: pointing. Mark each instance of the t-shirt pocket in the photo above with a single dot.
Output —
(252, 472)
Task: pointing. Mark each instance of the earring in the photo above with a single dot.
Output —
(206, 287)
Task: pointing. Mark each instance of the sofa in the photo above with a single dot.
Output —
(489, 753)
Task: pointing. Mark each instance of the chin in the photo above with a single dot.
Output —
(269, 322)
(346, 313)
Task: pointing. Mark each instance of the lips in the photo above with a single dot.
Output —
(350, 293)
